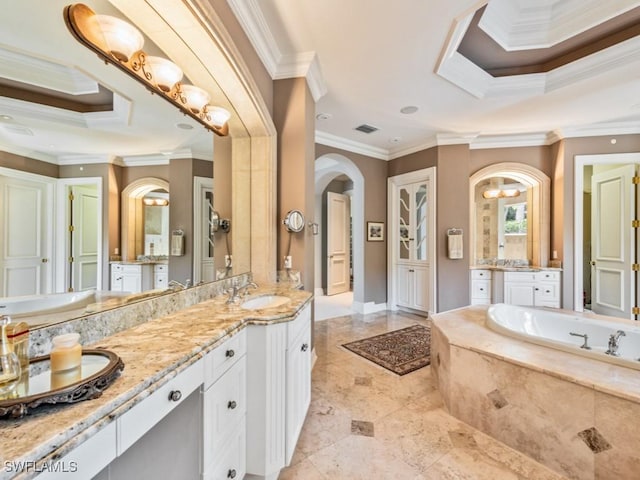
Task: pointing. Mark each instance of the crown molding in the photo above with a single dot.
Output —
(465, 74)
(625, 127)
(529, 24)
(349, 145)
(25, 152)
(42, 73)
(430, 143)
(146, 160)
(87, 159)
(278, 65)
(509, 141)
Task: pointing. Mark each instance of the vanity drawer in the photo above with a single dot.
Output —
(545, 276)
(116, 267)
(481, 289)
(141, 418)
(161, 268)
(224, 407)
(232, 461)
(132, 269)
(89, 458)
(480, 274)
(520, 276)
(220, 359)
(547, 292)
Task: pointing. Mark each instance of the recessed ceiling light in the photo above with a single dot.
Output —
(184, 126)
(395, 140)
(6, 117)
(409, 109)
(323, 116)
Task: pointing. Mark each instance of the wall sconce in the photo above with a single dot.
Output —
(120, 43)
(501, 193)
(155, 202)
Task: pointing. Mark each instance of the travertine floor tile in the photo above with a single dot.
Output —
(414, 437)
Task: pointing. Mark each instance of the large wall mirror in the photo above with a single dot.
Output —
(510, 212)
(66, 118)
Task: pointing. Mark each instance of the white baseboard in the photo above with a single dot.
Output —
(318, 292)
(369, 307)
(314, 357)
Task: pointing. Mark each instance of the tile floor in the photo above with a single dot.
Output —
(367, 423)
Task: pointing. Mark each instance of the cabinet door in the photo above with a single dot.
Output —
(132, 282)
(519, 294)
(298, 389)
(420, 276)
(405, 286)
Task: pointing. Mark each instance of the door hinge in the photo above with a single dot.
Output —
(635, 180)
(71, 229)
(71, 197)
(635, 311)
(635, 267)
(71, 260)
(635, 223)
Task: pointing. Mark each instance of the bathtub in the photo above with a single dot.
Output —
(552, 329)
(43, 304)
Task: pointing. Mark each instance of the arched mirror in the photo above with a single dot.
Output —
(510, 210)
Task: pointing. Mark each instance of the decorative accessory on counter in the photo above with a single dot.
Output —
(9, 363)
(401, 351)
(119, 43)
(66, 352)
(98, 370)
(18, 336)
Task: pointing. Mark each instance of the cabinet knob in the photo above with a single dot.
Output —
(304, 347)
(482, 289)
(537, 289)
(175, 395)
(232, 405)
(230, 353)
(231, 473)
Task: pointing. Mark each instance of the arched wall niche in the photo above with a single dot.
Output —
(539, 186)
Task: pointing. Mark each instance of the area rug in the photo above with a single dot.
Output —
(401, 351)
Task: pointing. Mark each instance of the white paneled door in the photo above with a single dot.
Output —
(83, 235)
(612, 241)
(338, 247)
(26, 248)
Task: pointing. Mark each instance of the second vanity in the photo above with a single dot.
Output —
(213, 391)
(526, 286)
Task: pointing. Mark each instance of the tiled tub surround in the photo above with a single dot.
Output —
(576, 415)
(153, 351)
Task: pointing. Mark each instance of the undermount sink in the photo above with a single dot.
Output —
(265, 301)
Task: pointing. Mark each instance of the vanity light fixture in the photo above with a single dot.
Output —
(120, 43)
(155, 202)
(501, 193)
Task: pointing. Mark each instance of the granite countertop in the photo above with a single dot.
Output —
(504, 268)
(153, 353)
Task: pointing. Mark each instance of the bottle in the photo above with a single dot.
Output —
(18, 336)
(9, 363)
(66, 352)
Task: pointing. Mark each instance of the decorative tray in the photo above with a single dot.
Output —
(98, 370)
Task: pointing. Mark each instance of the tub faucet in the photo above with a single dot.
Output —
(585, 345)
(174, 284)
(614, 339)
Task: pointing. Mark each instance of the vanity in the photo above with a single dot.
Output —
(136, 277)
(210, 391)
(525, 286)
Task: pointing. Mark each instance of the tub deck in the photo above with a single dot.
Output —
(574, 414)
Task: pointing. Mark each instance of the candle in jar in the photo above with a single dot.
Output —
(66, 352)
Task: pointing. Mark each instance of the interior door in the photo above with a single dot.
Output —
(338, 248)
(84, 241)
(612, 241)
(25, 254)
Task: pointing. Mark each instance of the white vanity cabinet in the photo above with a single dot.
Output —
(160, 275)
(480, 287)
(278, 392)
(532, 289)
(133, 278)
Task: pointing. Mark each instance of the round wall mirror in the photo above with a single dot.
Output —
(294, 221)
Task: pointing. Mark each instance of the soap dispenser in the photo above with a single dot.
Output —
(9, 363)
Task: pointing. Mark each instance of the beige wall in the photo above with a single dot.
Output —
(294, 117)
(26, 164)
(537, 157)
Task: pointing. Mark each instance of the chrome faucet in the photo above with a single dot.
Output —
(235, 290)
(176, 285)
(249, 285)
(585, 337)
(614, 339)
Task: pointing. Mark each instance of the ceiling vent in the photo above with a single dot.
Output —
(364, 128)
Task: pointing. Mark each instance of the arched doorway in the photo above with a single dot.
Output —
(327, 168)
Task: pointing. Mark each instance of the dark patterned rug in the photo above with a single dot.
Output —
(401, 351)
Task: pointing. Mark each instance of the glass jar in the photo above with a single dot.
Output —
(9, 363)
(66, 352)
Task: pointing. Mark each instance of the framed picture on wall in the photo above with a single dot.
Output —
(375, 231)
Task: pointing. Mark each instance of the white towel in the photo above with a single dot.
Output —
(455, 246)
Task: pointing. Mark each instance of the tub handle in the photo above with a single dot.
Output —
(586, 339)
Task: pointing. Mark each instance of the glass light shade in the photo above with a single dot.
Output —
(165, 73)
(196, 98)
(122, 39)
(491, 193)
(219, 116)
